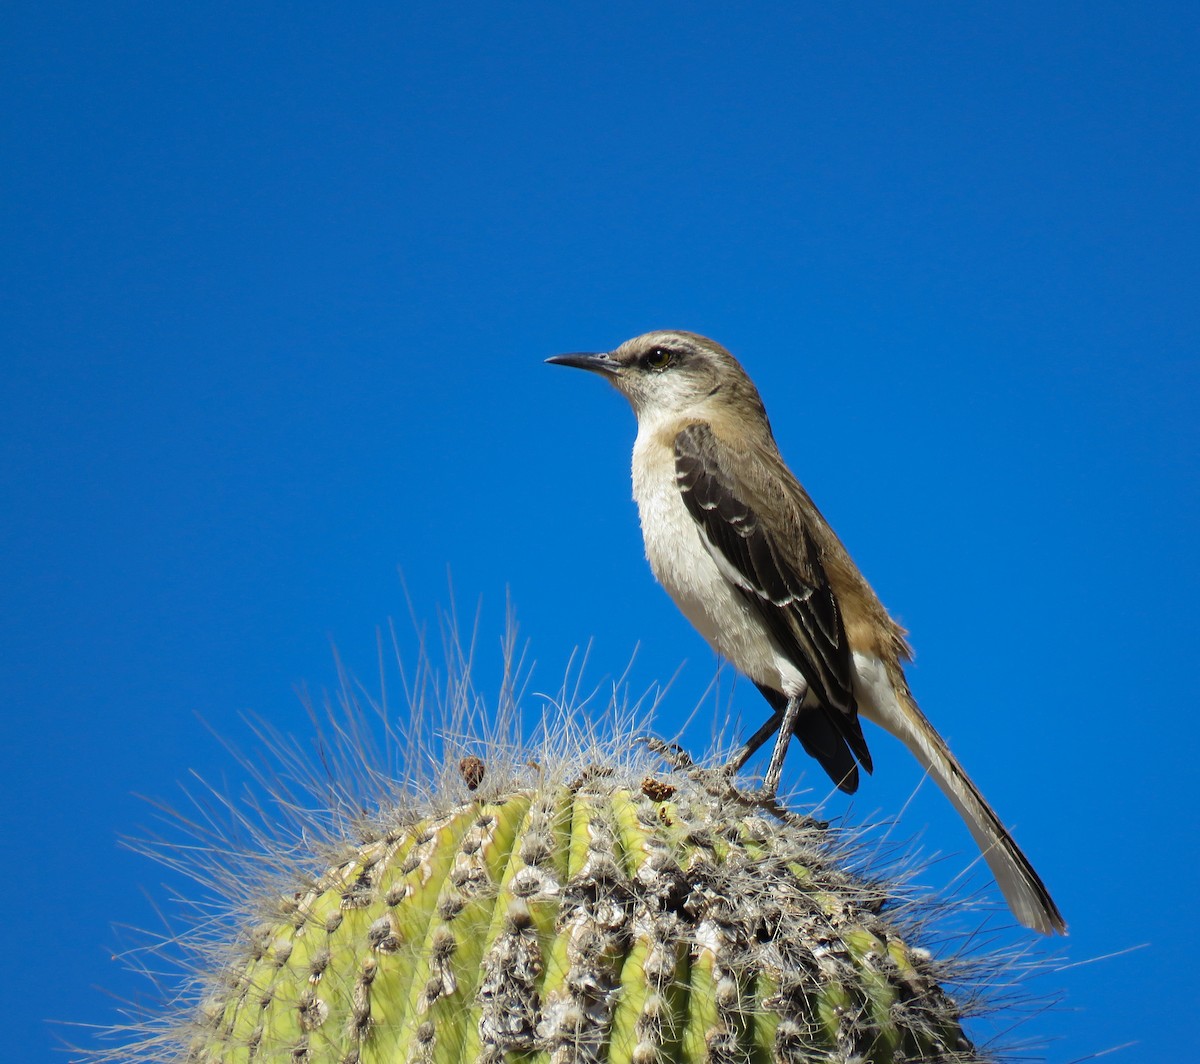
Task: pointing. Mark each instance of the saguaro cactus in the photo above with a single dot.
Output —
(604, 919)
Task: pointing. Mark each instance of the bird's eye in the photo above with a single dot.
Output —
(659, 357)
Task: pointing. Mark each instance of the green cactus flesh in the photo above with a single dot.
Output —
(582, 923)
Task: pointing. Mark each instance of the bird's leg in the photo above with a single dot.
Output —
(787, 726)
(754, 742)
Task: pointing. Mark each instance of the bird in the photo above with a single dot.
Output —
(750, 561)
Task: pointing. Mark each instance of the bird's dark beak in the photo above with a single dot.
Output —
(602, 363)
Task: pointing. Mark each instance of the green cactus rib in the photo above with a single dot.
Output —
(579, 924)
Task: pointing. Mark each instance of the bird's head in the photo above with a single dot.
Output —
(672, 374)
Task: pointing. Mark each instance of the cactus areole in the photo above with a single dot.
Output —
(596, 921)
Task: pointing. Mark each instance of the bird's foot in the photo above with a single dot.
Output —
(672, 753)
(760, 795)
(767, 799)
(734, 765)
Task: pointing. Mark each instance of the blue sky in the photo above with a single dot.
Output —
(277, 287)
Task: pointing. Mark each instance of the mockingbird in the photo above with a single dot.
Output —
(748, 558)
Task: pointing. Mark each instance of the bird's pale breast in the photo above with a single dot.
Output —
(686, 569)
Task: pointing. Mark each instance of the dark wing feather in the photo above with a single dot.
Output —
(789, 591)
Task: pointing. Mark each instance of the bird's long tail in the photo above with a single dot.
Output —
(1021, 886)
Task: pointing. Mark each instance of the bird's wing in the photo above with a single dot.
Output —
(785, 582)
